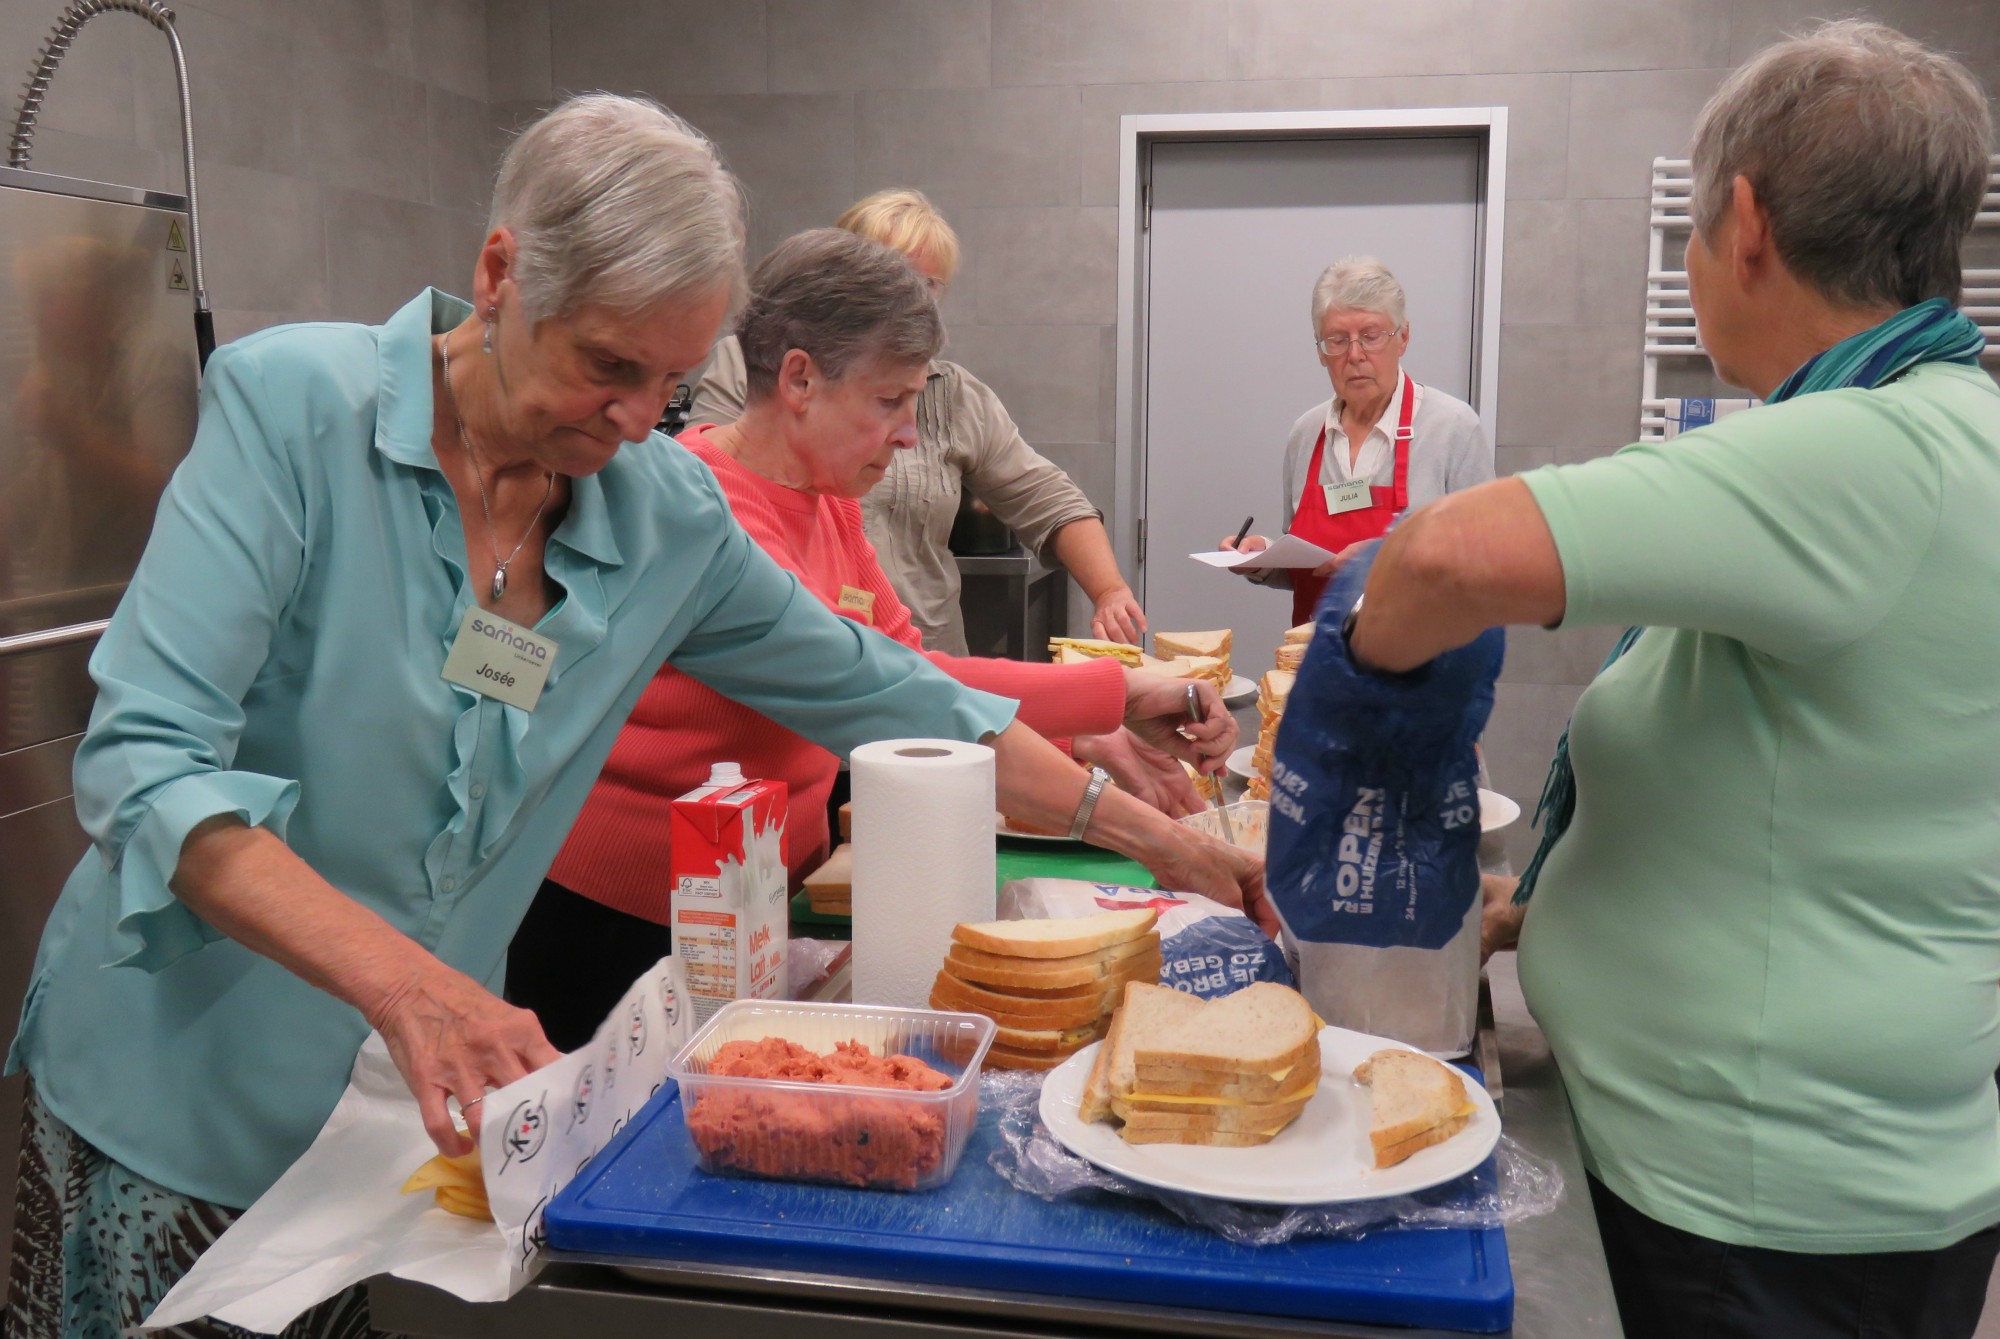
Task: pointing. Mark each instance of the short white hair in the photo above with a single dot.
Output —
(616, 201)
(1868, 150)
(1359, 283)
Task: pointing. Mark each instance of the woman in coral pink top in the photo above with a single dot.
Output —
(837, 347)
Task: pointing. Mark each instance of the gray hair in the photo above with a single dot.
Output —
(616, 200)
(1362, 283)
(1869, 151)
(842, 298)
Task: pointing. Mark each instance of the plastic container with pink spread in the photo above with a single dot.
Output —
(847, 1094)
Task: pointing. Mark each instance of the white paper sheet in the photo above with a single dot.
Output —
(338, 1215)
(1286, 551)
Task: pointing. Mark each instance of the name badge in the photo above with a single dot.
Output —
(1350, 496)
(500, 660)
(861, 602)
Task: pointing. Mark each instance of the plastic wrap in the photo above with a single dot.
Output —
(1512, 1186)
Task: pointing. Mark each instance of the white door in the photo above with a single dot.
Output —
(1240, 230)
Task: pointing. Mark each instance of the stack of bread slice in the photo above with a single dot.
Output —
(1414, 1102)
(1273, 690)
(1292, 651)
(1077, 650)
(1194, 655)
(1209, 787)
(830, 888)
(1230, 1072)
(1050, 985)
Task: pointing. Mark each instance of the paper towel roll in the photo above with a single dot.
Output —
(923, 860)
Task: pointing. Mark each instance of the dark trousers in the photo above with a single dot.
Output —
(1672, 1284)
(573, 959)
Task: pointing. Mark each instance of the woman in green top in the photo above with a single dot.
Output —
(1765, 950)
(397, 603)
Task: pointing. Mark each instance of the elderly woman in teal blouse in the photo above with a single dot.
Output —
(398, 602)
(1764, 938)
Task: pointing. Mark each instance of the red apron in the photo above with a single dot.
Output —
(1315, 524)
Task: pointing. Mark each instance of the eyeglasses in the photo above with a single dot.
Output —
(1372, 340)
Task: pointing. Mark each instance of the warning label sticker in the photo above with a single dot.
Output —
(177, 280)
(175, 240)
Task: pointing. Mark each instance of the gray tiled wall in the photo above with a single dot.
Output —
(1006, 112)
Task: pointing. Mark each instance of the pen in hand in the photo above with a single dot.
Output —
(1247, 522)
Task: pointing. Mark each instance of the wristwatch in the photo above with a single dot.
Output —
(1099, 779)
(1347, 627)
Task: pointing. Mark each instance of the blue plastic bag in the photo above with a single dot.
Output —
(1374, 831)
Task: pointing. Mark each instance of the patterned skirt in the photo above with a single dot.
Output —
(96, 1246)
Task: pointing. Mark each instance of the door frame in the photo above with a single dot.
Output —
(1137, 135)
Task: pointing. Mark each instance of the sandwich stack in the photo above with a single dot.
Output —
(1208, 787)
(830, 888)
(1193, 655)
(1272, 691)
(1050, 985)
(1414, 1102)
(1292, 651)
(1229, 1072)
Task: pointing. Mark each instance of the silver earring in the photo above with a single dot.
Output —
(486, 344)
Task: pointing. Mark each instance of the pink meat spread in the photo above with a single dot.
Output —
(848, 1140)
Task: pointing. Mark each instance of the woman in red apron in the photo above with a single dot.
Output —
(1336, 516)
(1361, 332)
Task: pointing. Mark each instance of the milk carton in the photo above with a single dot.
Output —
(731, 889)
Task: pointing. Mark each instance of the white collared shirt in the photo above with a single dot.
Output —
(1377, 460)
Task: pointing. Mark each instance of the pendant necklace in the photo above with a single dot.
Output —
(500, 565)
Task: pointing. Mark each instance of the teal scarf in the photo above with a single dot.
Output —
(1930, 332)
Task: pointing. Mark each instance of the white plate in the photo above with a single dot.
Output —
(1238, 762)
(1496, 811)
(1240, 691)
(1008, 830)
(1323, 1157)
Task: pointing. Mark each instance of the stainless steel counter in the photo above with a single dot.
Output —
(1561, 1289)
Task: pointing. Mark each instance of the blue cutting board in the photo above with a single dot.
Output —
(645, 1196)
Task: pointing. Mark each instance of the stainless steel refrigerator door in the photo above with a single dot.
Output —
(97, 405)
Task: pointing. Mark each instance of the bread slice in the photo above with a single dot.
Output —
(1165, 1082)
(949, 992)
(1215, 643)
(1154, 1134)
(1069, 655)
(1414, 1103)
(1291, 656)
(1259, 1029)
(1006, 1057)
(1274, 688)
(1056, 937)
(1272, 1116)
(1147, 1010)
(1299, 635)
(1052, 1041)
(1134, 957)
(833, 881)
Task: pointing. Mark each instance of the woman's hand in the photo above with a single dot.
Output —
(450, 1037)
(1197, 863)
(1156, 711)
(1118, 617)
(1339, 560)
(1141, 771)
(1248, 544)
(1499, 919)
